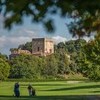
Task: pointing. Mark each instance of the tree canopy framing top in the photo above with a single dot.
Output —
(86, 13)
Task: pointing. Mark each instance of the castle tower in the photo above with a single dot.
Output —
(42, 46)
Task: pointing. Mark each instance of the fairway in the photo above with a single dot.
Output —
(53, 90)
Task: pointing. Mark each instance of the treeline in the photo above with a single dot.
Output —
(71, 57)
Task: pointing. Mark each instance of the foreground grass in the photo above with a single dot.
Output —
(51, 98)
(57, 90)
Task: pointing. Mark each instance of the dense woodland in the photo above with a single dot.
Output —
(84, 56)
(84, 59)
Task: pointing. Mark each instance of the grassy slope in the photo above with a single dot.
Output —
(51, 90)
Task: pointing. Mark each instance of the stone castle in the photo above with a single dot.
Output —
(40, 47)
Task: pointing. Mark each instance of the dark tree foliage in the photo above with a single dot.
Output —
(25, 66)
(92, 59)
(4, 67)
(84, 59)
(26, 46)
(3, 56)
(86, 13)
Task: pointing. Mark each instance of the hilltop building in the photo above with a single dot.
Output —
(42, 46)
(15, 52)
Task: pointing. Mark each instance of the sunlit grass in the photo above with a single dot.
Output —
(52, 89)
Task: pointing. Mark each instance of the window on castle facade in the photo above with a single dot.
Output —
(38, 48)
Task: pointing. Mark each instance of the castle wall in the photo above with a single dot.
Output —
(42, 46)
(49, 46)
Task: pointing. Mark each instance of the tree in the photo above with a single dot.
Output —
(4, 69)
(63, 63)
(25, 66)
(75, 50)
(91, 66)
(3, 56)
(85, 13)
(51, 67)
(74, 45)
(26, 46)
(70, 45)
(68, 58)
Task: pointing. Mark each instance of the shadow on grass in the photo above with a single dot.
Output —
(75, 88)
(70, 97)
(95, 91)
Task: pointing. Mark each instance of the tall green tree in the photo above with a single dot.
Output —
(4, 69)
(92, 60)
(25, 66)
(51, 66)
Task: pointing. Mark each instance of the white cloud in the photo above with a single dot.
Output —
(18, 40)
(29, 31)
(89, 38)
(2, 41)
(7, 42)
(14, 38)
(24, 32)
(12, 42)
(58, 39)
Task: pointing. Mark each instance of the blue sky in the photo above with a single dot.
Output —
(28, 30)
(20, 34)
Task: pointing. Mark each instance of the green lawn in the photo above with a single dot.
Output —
(55, 90)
